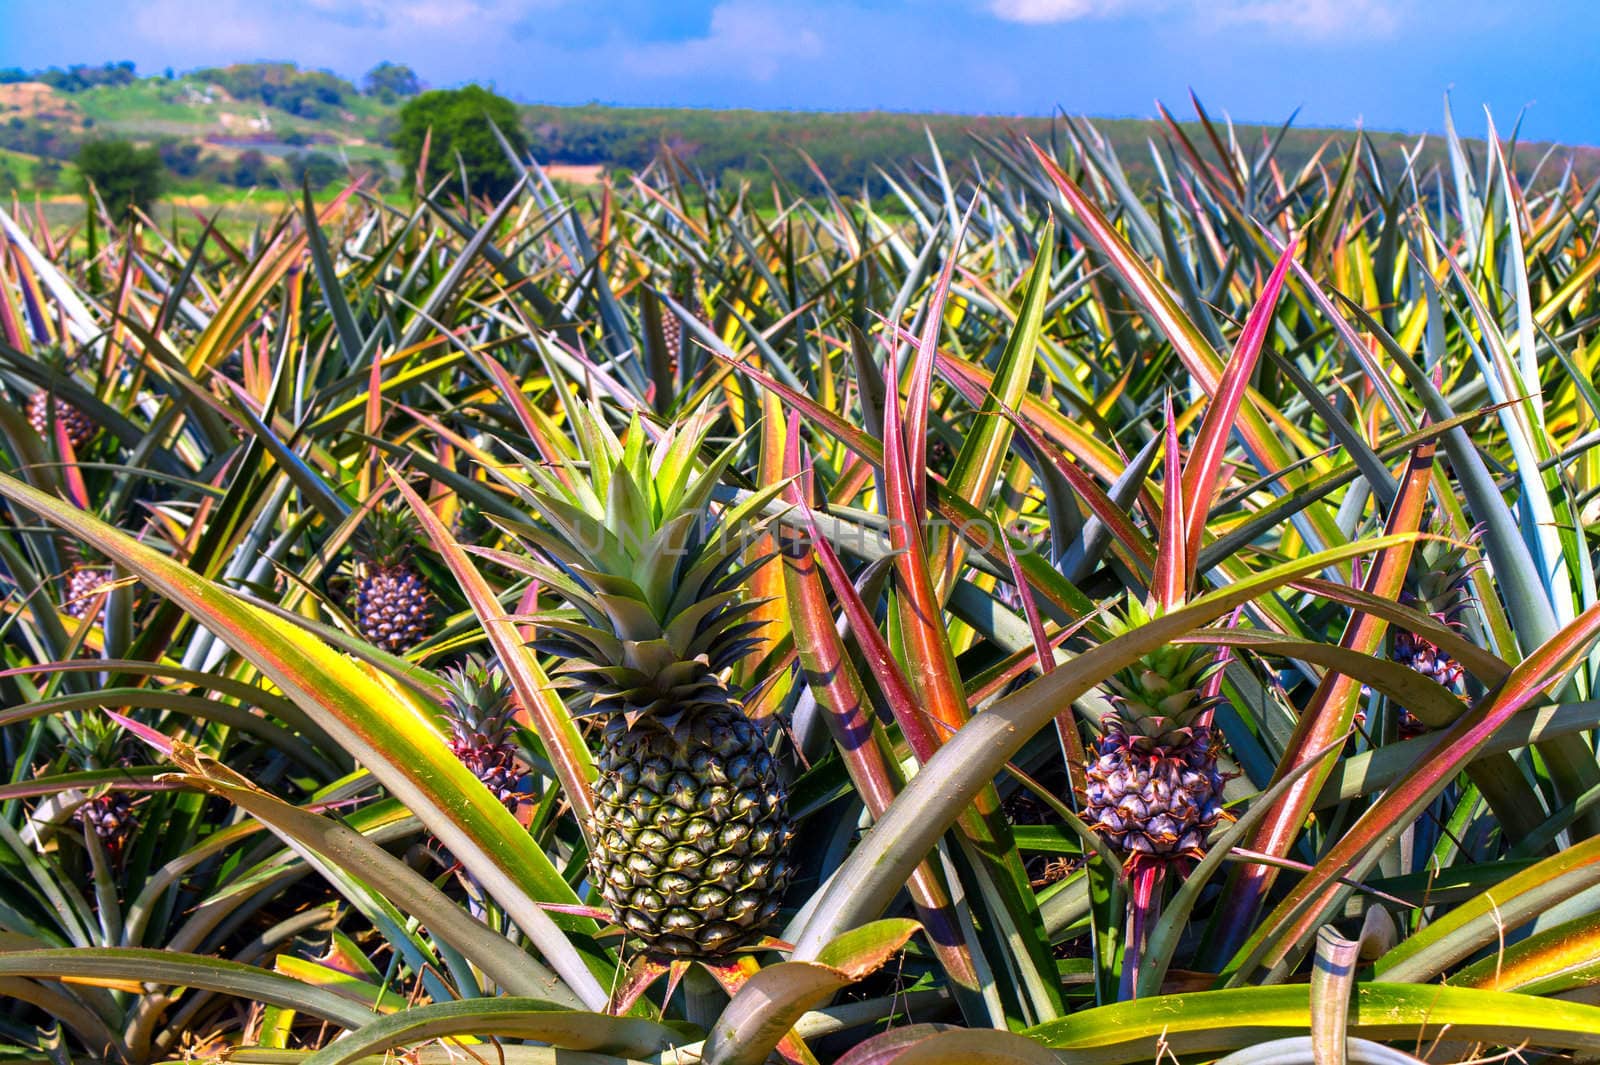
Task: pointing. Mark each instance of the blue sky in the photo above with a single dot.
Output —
(1387, 63)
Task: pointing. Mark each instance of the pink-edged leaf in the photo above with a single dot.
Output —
(934, 677)
(1306, 906)
(1094, 497)
(851, 720)
(531, 423)
(152, 738)
(922, 363)
(1190, 345)
(1200, 475)
(1331, 711)
(372, 419)
(977, 381)
(1044, 653)
(1169, 585)
(569, 756)
(77, 490)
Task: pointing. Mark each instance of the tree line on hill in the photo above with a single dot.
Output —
(856, 151)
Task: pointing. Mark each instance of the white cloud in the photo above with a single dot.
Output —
(1044, 11)
(750, 40)
(1313, 18)
(1301, 18)
(319, 31)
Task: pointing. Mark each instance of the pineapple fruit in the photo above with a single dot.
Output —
(1436, 584)
(46, 410)
(479, 708)
(691, 826)
(1154, 790)
(83, 588)
(392, 603)
(111, 817)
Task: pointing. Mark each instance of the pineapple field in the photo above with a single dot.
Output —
(1017, 611)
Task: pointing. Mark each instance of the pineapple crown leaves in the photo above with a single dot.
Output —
(652, 571)
(1161, 694)
(1438, 577)
(387, 536)
(479, 694)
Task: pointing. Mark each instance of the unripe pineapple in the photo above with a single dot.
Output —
(1154, 791)
(111, 817)
(46, 410)
(480, 711)
(392, 602)
(1436, 584)
(84, 585)
(691, 828)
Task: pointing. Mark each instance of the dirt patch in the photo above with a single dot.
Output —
(36, 101)
(576, 175)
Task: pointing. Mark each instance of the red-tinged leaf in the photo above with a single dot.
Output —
(77, 491)
(1201, 473)
(770, 1002)
(152, 738)
(766, 583)
(1330, 713)
(934, 675)
(1308, 902)
(532, 422)
(1094, 497)
(372, 420)
(973, 524)
(853, 724)
(976, 381)
(922, 362)
(570, 758)
(1169, 585)
(1190, 345)
(1072, 751)
(923, 737)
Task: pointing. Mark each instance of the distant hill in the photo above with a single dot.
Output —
(265, 124)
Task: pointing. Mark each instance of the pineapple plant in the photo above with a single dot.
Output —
(1154, 790)
(480, 710)
(691, 827)
(393, 605)
(1437, 585)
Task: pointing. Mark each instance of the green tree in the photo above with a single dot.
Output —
(391, 81)
(460, 121)
(317, 169)
(126, 176)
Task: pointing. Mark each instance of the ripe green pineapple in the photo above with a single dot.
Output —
(1154, 791)
(392, 602)
(691, 824)
(480, 710)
